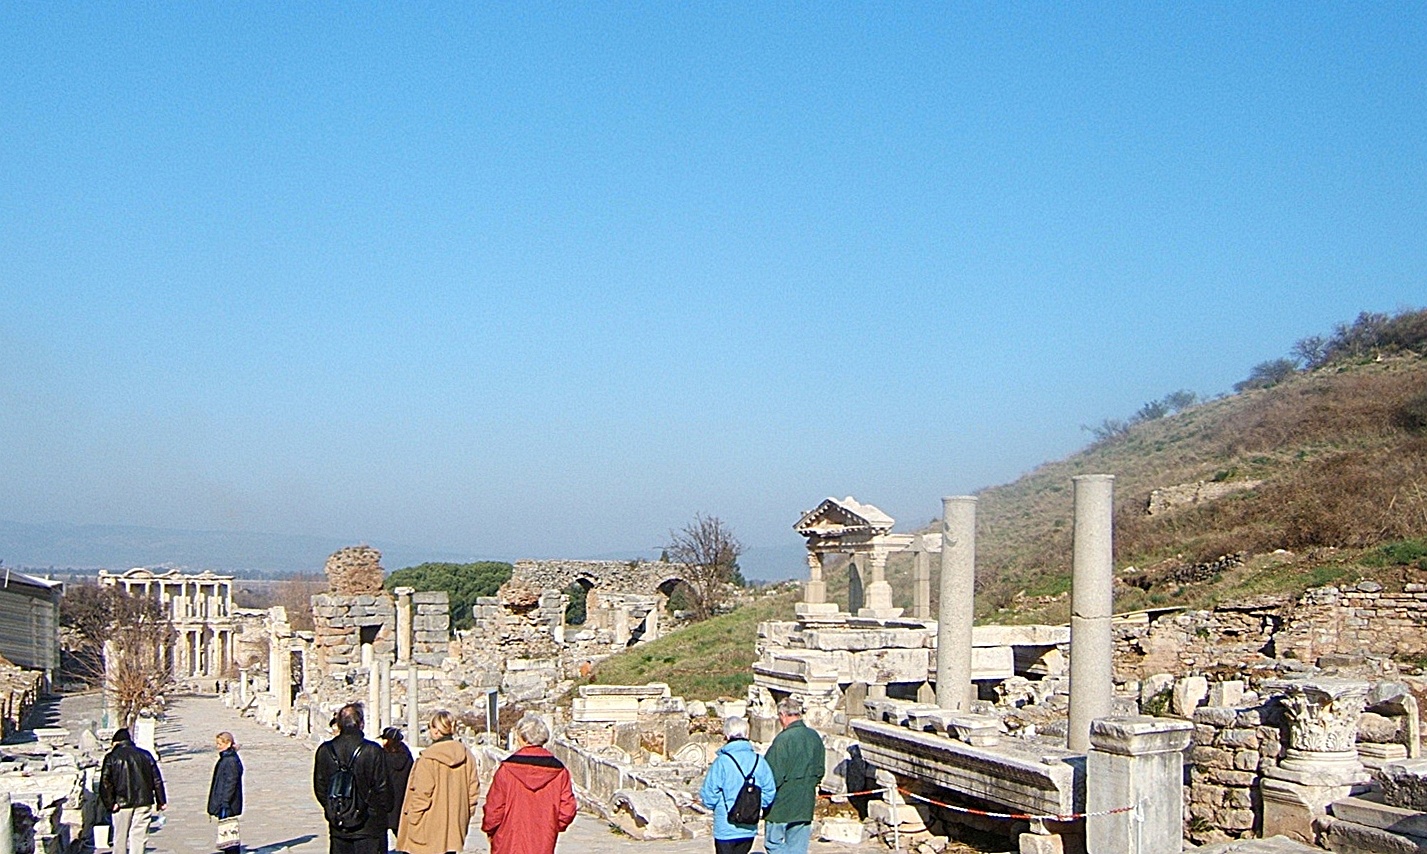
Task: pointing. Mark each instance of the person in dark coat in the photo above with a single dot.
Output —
(373, 794)
(130, 787)
(398, 771)
(225, 793)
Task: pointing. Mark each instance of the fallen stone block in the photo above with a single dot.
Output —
(647, 814)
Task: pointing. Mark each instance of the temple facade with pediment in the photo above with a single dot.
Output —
(864, 533)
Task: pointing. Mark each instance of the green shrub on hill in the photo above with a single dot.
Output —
(463, 582)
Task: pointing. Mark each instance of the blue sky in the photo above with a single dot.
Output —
(549, 279)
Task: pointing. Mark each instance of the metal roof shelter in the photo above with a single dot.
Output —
(29, 619)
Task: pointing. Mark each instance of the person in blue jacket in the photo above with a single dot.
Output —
(734, 761)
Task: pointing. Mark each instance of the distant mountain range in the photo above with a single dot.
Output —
(65, 548)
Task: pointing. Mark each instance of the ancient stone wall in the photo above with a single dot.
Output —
(338, 622)
(631, 576)
(1229, 747)
(1363, 618)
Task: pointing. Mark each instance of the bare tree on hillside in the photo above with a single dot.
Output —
(709, 553)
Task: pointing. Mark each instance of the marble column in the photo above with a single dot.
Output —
(1135, 762)
(879, 592)
(374, 701)
(242, 687)
(956, 609)
(413, 695)
(403, 623)
(1320, 760)
(383, 694)
(1092, 642)
(921, 580)
(815, 590)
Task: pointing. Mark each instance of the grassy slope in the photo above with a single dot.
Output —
(1339, 476)
(704, 661)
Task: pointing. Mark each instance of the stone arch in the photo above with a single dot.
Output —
(578, 609)
(675, 585)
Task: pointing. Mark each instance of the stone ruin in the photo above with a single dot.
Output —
(1118, 733)
(48, 786)
(355, 571)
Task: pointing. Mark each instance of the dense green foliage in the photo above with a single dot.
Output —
(463, 582)
(579, 601)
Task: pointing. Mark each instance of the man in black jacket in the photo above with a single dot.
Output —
(372, 793)
(130, 787)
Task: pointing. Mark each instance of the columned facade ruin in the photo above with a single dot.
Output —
(200, 606)
(864, 533)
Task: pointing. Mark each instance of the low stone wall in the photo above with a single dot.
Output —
(1229, 746)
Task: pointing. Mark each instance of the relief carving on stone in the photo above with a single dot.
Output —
(1323, 716)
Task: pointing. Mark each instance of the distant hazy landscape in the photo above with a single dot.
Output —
(61, 548)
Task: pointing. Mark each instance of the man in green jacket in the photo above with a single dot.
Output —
(796, 759)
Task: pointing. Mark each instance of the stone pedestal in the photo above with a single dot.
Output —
(1136, 762)
(1092, 641)
(955, 611)
(143, 734)
(1320, 763)
(879, 591)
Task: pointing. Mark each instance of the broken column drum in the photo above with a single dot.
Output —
(1092, 680)
(956, 612)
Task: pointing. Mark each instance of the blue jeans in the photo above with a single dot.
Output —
(790, 838)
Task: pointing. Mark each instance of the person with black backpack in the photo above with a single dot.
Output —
(739, 787)
(349, 779)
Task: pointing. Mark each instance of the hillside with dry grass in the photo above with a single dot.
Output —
(1304, 477)
(1331, 465)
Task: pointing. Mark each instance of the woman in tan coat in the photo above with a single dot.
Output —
(441, 793)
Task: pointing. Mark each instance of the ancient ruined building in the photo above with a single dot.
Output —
(200, 606)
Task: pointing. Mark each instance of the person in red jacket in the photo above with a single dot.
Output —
(531, 799)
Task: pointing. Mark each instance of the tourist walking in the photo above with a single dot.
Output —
(350, 781)
(225, 793)
(734, 762)
(131, 788)
(531, 800)
(398, 771)
(796, 759)
(441, 793)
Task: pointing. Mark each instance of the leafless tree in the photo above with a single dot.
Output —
(123, 641)
(709, 552)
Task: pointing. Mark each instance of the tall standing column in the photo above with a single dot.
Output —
(413, 695)
(403, 623)
(956, 611)
(921, 581)
(374, 701)
(384, 693)
(1092, 678)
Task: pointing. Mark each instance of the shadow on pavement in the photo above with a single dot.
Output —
(279, 846)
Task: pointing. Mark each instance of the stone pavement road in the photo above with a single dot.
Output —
(280, 816)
